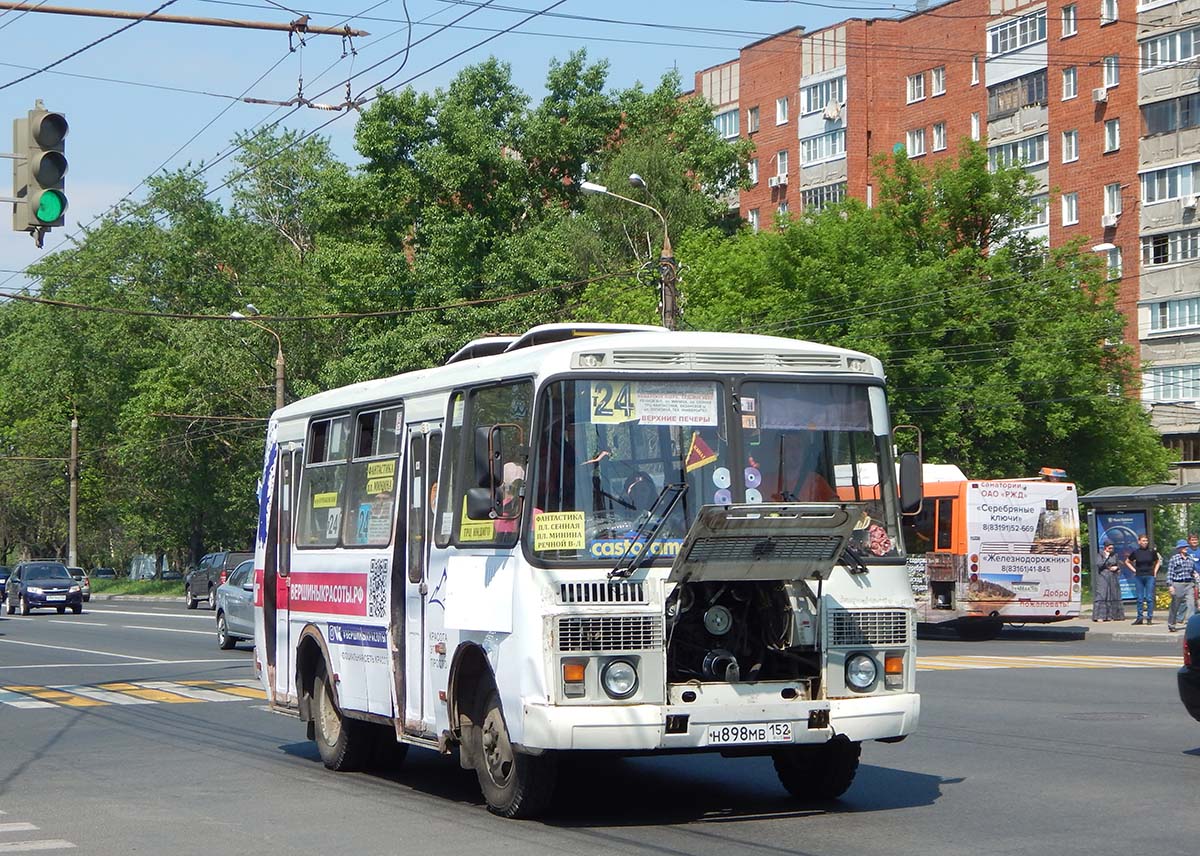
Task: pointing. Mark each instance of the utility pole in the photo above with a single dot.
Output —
(668, 281)
(73, 517)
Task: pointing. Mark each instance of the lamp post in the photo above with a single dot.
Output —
(279, 369)
(668, 272)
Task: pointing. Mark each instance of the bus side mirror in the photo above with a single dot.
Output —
(487, 459)
(911, 487)
(480, 503)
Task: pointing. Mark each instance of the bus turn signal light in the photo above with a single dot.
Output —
(893, 671)
(573, 678)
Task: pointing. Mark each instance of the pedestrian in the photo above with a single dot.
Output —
(1181, 577)
(1106, 588)
(1144, 562)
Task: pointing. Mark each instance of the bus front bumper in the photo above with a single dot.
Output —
(644, 727)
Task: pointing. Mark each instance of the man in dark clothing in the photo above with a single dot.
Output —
(1144, 562)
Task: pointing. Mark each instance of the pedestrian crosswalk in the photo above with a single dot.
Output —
(11, 828)
(127, 693)
(1055, 661)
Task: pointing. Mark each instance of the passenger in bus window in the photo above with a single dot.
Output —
(512, 480)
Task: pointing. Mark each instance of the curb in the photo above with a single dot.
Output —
(160, 598)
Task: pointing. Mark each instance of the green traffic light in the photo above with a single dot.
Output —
(51, 206)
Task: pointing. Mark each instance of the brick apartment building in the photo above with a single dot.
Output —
(1098, 99)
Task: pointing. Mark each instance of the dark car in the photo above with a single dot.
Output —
(42, 585)
(1189, 675)
(104, 573)
(3, 576)
(213, 570)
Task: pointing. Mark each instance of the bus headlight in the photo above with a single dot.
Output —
(861, 672)
(619, 678)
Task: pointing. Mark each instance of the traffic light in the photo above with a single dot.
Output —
(39, 170)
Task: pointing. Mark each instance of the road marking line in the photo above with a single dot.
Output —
(234, 688)
(154, 614)
(22, 701)
(76, 622)
(82, 651)
(105, 695)
(188, 692)
(57, 696)
(141, 692)
(171, 629)
(30, 846)
(17, 826)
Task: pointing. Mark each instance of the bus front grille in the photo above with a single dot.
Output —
(868, 627)
(606, 592)
(610, 633)
(774, 548)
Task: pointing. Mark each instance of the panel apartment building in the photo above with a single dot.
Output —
(1098, 99)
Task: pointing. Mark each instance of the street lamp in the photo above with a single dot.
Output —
(667, 271)
(251, 309)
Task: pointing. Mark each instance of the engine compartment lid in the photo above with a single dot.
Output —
(767, 541)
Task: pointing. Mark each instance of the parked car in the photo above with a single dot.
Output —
(104, 573)
(235, 607)
(80, 576)
(42, 585)
(1189, 674)
(213, 570)
(3, 576)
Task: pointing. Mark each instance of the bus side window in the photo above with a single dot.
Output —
(322, 485)
(945, 524)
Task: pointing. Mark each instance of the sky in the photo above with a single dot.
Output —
(160, 96)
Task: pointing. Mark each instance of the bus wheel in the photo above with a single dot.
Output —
(979, 629)
(343, 743)
(813, 773)
(514, 784)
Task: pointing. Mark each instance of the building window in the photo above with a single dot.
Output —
(1172, 383)
(753, 170)
(727, 124)
(823, 147)
(816, 198)
(916, 143)
(938, 80)
(782, 209)
(1174, 115)
(781, 162)
(1173, 182)
(1070, 83)
(1070, 146)
(1112, 135)
(781, 110)
(1007, 98)
(1070, 209)
(1112, 198)
(1171, 48)
(752, 218)
(1017, 33)
(1108, 11)
(815, 98)
(916, 87)
(975, 127)
(1113, 259)
(1112, 71)
(1069, 22)
(939, 136)
(1027, 152)
(752, 120)
(1171, 248)
(1041, 212)
(1175, 314)
(975, 70)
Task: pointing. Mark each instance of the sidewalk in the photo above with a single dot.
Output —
(1127, 631)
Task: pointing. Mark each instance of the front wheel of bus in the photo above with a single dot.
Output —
(814, 773)
(343, 743)
(514, 784)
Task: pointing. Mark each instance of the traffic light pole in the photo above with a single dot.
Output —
(73, 513)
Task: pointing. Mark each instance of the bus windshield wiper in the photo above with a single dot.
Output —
(648, 529)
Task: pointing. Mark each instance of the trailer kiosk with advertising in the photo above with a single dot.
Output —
(1122, 513)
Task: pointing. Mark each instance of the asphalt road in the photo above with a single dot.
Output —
(1090, 752)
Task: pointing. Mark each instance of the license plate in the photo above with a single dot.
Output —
(750, 732)
(56, 597)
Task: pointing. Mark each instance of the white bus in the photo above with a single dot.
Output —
(591, 538)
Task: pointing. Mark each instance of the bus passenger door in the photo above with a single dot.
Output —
(422, 450)
(276, 578)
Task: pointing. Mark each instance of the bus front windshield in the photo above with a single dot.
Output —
(607, 448)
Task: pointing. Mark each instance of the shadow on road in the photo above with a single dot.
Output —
(1012, 633)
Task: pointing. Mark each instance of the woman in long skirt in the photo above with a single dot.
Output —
(1106, 588)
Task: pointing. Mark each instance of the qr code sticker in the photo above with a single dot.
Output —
(377, 589)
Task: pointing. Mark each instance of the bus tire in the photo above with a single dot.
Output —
(344, 744)
(816, 773)
(515, 785)
(979, 629)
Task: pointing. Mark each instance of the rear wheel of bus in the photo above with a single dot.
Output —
(813, 773)
(344, 743)
(514, 784)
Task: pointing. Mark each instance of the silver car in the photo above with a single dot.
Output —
(80, 576)
(235, 607)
